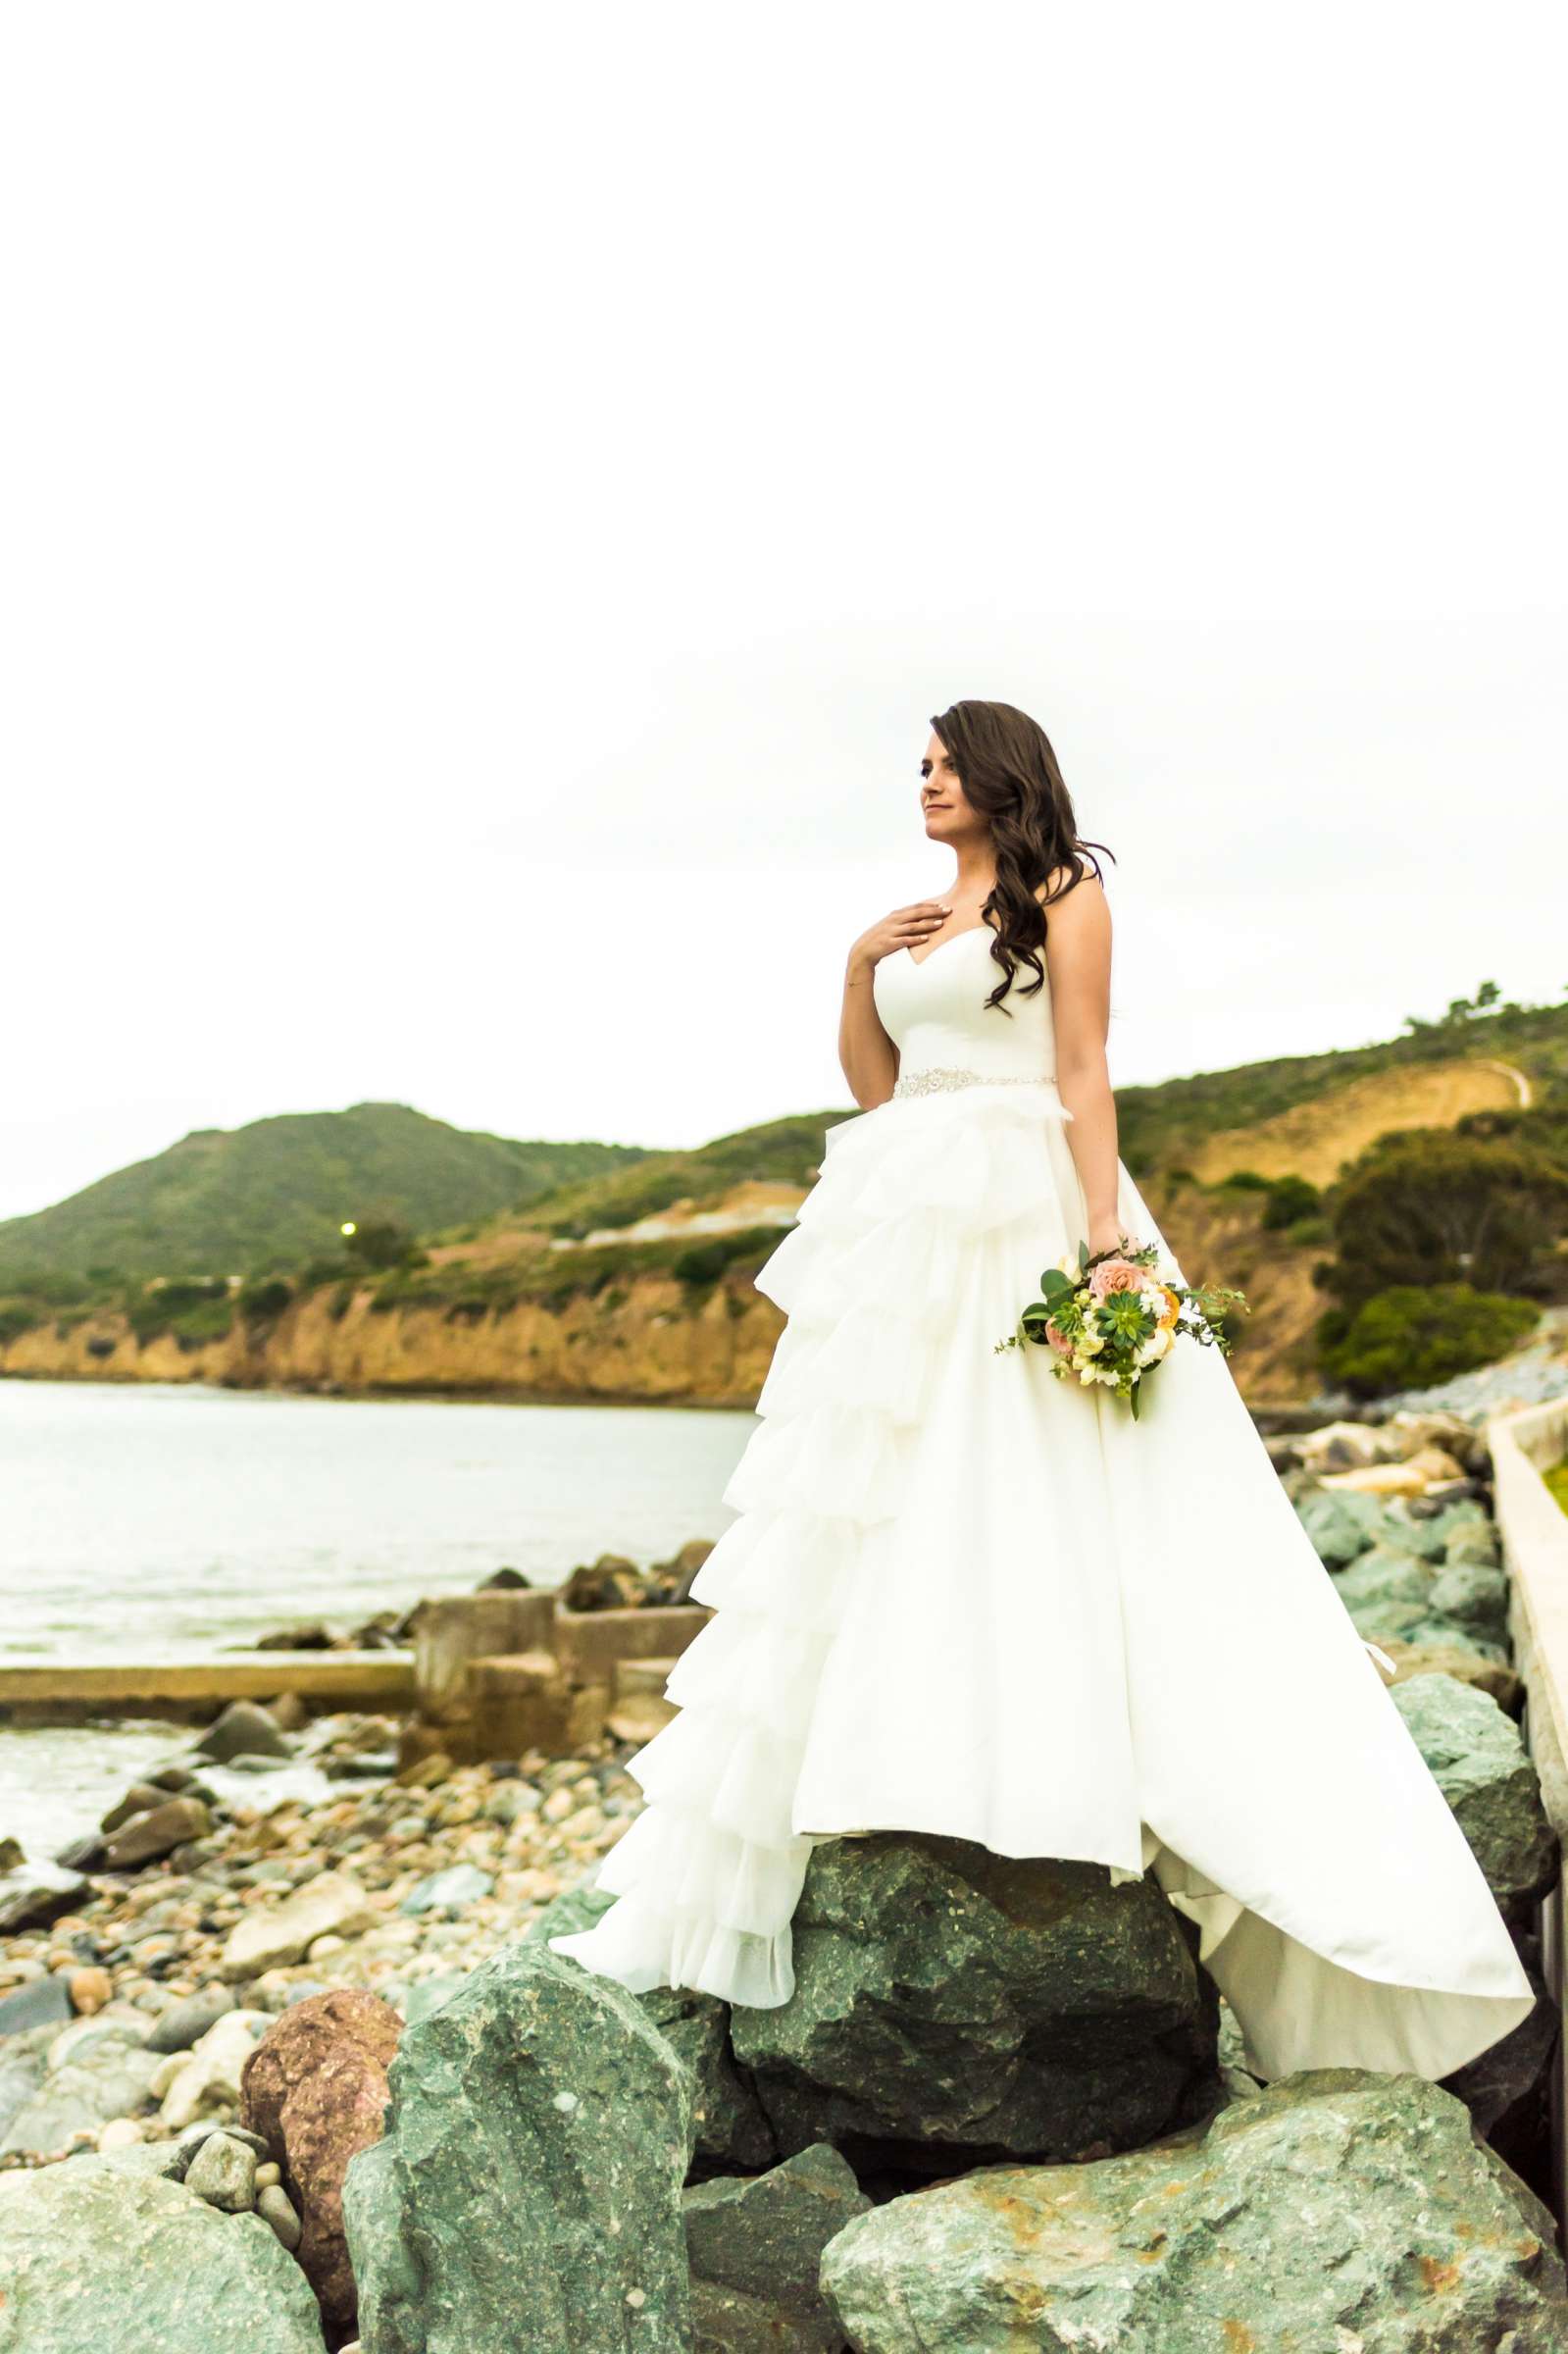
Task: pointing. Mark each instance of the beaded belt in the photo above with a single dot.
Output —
(940, 1077)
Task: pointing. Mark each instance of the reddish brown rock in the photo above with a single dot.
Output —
(315, 2088)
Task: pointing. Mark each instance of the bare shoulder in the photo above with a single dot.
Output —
(1084, 904)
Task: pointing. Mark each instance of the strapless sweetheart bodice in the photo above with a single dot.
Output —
(936, 1015)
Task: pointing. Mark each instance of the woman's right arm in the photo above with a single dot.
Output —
(866, 1054)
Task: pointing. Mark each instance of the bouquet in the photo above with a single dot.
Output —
(1110, 1319)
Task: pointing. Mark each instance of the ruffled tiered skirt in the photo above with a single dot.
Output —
(963, 1597)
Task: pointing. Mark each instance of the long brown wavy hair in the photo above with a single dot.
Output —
(1009, 773)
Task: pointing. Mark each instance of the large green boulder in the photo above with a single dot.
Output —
(95, 2259)
(954, 2007)
(1479, 1762)
(1339, 2210)
(728, 2127)
(525, 2192)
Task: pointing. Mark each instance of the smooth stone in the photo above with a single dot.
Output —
(271, 1936)
(113, 2078)
(36, 1894)
(141, 1799)
(147, 1837)
(23, 2069)
(209, 2074)
(79, 2035)
(186, 2022)
(81, 1855)
(448, 1891)
(37, 2005)
(222, 2171)
(272, 2206)
(192, 2137)
(245, 1729)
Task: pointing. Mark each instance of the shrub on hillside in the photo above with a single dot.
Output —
(1413, 1334)
(263, 1301)
(207, 1320)
(1290, 1198)
(58, 1288)
(706, 1261)
(172, 1305)
(315, 1272)
(1426, 1207)
(382, 1242)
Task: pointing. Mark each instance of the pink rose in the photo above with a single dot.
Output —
(1114, 1275)
(1058, 1339)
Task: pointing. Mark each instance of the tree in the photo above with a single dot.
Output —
(380, 1243)
(1427, 1206)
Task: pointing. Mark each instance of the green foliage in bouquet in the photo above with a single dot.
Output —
(1115, 1331)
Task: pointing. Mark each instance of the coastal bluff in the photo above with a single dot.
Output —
(647, 1337)
(649, 1345)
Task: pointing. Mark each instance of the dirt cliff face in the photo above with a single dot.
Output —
(646, 1343)
(1221, 1239)
(651, 1348)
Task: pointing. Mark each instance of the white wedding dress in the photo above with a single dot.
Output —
(962, 1596)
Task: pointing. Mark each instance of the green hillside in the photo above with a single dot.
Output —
(228, 1201)
(788, 1150)
(1164, 1124)
(1159, 1126)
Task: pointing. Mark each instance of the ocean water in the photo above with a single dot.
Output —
(170, 1523)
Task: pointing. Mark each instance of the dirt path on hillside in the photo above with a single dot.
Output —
(1312, 1140)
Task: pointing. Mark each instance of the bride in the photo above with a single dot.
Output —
(963, 1597)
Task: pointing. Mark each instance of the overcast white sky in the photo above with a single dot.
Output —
(492, 496)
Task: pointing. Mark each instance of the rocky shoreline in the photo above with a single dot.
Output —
(283, 2054)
